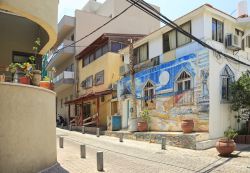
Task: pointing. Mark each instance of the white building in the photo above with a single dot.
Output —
(93, 15)
(178, 78)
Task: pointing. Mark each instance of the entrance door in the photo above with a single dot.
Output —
(86, 110)
(126, 113)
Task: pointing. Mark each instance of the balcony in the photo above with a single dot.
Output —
(61, 55)
(63, 81)
(65, 26)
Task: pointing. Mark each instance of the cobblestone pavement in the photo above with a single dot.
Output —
(141, 157)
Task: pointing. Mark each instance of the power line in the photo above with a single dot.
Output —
(147, 8)
(122, 12)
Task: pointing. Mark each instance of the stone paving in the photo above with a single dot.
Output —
(141, 157)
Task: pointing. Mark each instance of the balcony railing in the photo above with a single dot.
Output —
(64, 77)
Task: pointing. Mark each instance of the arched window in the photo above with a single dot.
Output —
(227, 77)
(183, 82)
(148, 91)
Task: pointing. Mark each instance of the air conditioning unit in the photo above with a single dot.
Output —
(233, 42)
(124, 69)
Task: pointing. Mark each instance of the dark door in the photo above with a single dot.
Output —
(86, 110)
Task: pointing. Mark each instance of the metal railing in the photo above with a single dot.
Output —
(64, 75)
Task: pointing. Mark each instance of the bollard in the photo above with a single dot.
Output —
(163, 143)
(62, 126)
(83, 151)
(83, 129)
(61, 142)
(99, 158)
(70, 127)
(98, 132)
(121, 137)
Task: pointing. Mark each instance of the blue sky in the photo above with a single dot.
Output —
(171, 8)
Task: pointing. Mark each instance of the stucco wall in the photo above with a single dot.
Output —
(27, 131)
(110, 63)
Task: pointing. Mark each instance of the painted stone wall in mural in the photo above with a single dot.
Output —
(172, 91)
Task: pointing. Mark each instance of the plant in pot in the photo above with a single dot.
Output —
(36, 73)
(18, 69)
(226, 146)
(143, 123)
(187, 125)
(46, 83)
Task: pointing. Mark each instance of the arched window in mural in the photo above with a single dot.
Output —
(184, 93)
(227, 77)
(183, 82)
(148, 94)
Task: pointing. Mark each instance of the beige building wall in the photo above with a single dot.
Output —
(110, 63)
(27, 131)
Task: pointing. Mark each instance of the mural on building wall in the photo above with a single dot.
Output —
(172, 91)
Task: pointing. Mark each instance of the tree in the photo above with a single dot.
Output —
(240, 95)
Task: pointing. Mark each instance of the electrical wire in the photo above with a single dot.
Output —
(147, 8)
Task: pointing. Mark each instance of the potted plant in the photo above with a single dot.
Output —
(226, 146)
(36, 73)
(187, 125)
(46, 83)
(26, 68)
(142, 124)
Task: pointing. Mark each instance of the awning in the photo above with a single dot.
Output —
(89, 96)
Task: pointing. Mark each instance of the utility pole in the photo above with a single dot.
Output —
(132, 122)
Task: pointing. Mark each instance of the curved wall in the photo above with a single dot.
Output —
(42, 12)
(27, 128)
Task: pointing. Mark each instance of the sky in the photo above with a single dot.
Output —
(170, 8)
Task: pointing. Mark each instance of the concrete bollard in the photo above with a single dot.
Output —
(163, 143)
(83, 151)
(99, 158)
(121, 137)
(61, 142)
(98, 132)
(83, 130)
(70, 127)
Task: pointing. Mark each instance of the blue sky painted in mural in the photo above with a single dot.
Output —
(171, 70)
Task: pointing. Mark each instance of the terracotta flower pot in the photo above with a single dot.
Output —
(24, 80)
(225, 147)
(45, 84)
(142, 126)
(187, 126)
(36, 77)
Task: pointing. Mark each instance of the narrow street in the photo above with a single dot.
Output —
(142, 157)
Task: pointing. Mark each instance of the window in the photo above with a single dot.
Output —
(85, 61)
(148, 92)
(99, 78)
(169, 41)
(105, 49)
(91, 58)
(183, 82)
(72, 37)
(174, 39)
(217, 31)
(240, 34)
(115, 46)
(182, 39)
(227, 77)
(141, 54)
(98, 53)
(87, 83)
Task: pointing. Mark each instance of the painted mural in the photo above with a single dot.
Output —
(172, 91)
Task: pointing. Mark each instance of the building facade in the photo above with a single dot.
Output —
(93, 15)
(99, 67)
(177, 78)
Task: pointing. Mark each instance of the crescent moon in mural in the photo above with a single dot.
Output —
(164, 78)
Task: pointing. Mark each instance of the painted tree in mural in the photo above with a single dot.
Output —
(240, 92)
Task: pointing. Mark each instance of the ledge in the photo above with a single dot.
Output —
(28, 86)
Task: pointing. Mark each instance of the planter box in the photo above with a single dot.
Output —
(240, 139)
(247, 139)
